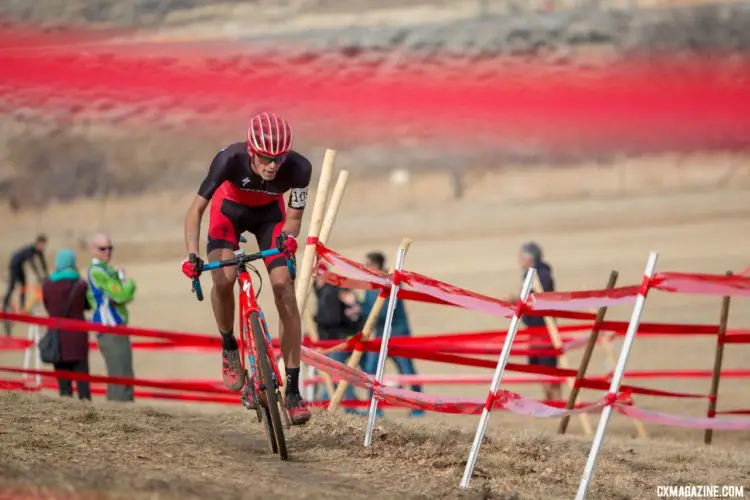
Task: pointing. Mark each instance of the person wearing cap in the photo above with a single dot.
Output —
(530, 255)
(65, 286)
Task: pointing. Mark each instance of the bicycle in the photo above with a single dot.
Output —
(262, 391)
(32, 302)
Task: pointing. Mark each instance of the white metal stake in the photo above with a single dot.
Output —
(29, 352)
(614, 387)
(37, 338)
(384, 346)
(308, 372)
(504, 355)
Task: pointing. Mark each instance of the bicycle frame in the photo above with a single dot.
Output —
(262, 369)
(248, 304)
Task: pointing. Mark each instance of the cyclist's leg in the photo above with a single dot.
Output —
(21, 280)
(15, 277)
(290, 331)
(223, 235)
(13, 280)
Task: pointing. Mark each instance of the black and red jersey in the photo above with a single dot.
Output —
(231, 177)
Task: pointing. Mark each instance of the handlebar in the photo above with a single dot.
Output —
(242, 259)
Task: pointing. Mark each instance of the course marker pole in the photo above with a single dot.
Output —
(586, 359)
(718, 359)
(367, 330)
(501, 362)
(325, 231)
(395, 286)
(614, 387)
(304, 272)
(554, 335)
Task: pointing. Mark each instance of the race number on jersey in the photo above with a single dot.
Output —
(298, 198)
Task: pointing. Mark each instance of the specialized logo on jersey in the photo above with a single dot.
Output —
(251, 190)
(245, 181)
(298, 198)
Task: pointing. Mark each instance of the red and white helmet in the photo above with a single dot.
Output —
(269, 135)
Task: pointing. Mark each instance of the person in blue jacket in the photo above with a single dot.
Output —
(399, 328)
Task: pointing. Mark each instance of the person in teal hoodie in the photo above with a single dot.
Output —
(109, 294)
(64, 296)
(399, 328)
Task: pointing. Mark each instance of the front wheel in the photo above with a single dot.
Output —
(268, 387)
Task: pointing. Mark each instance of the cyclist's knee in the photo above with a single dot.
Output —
(284, 291)
(223, 284)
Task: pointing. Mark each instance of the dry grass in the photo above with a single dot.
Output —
(70, 450)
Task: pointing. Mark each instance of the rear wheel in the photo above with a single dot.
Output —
(271, 413)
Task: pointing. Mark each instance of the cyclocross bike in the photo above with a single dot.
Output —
(262, 391)
(34, 299)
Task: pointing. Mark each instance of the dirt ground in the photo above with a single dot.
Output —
(470, 243)
(55, 450)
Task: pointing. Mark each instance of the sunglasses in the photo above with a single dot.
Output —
(268, 159)
(104, 249)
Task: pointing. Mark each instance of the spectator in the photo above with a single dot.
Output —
(530, 255)
(109, 294)
(17, 273)
(65, 286)
(399, 327)
(338, 318)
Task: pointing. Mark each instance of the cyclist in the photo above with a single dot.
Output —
(245, 184)
(17, 274)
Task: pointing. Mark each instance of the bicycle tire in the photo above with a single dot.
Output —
(266, 375)
(263, 416)
(266, 417)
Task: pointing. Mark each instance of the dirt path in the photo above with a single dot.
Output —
(69, 450)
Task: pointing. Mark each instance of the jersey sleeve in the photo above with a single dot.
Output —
(218, 172)
(120, 293)
(300, 182)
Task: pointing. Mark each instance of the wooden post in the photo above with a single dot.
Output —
(718, 359)
(367, 330)
(583, 366)
(304, 272)
(639, 427)
(554, 335)
(325, 231)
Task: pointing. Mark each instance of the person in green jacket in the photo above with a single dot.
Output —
(109, 293)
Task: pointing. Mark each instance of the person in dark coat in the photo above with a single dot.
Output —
(74, 345)
(338, 318)
(530, 255)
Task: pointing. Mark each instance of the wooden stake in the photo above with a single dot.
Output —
(305, 271)
(718, 359)
(325, 231)
(367, 330)
(583, 366)
(639, 427)
(554, 335)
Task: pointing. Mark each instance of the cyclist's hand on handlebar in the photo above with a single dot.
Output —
(287, 244)
(192, 266)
